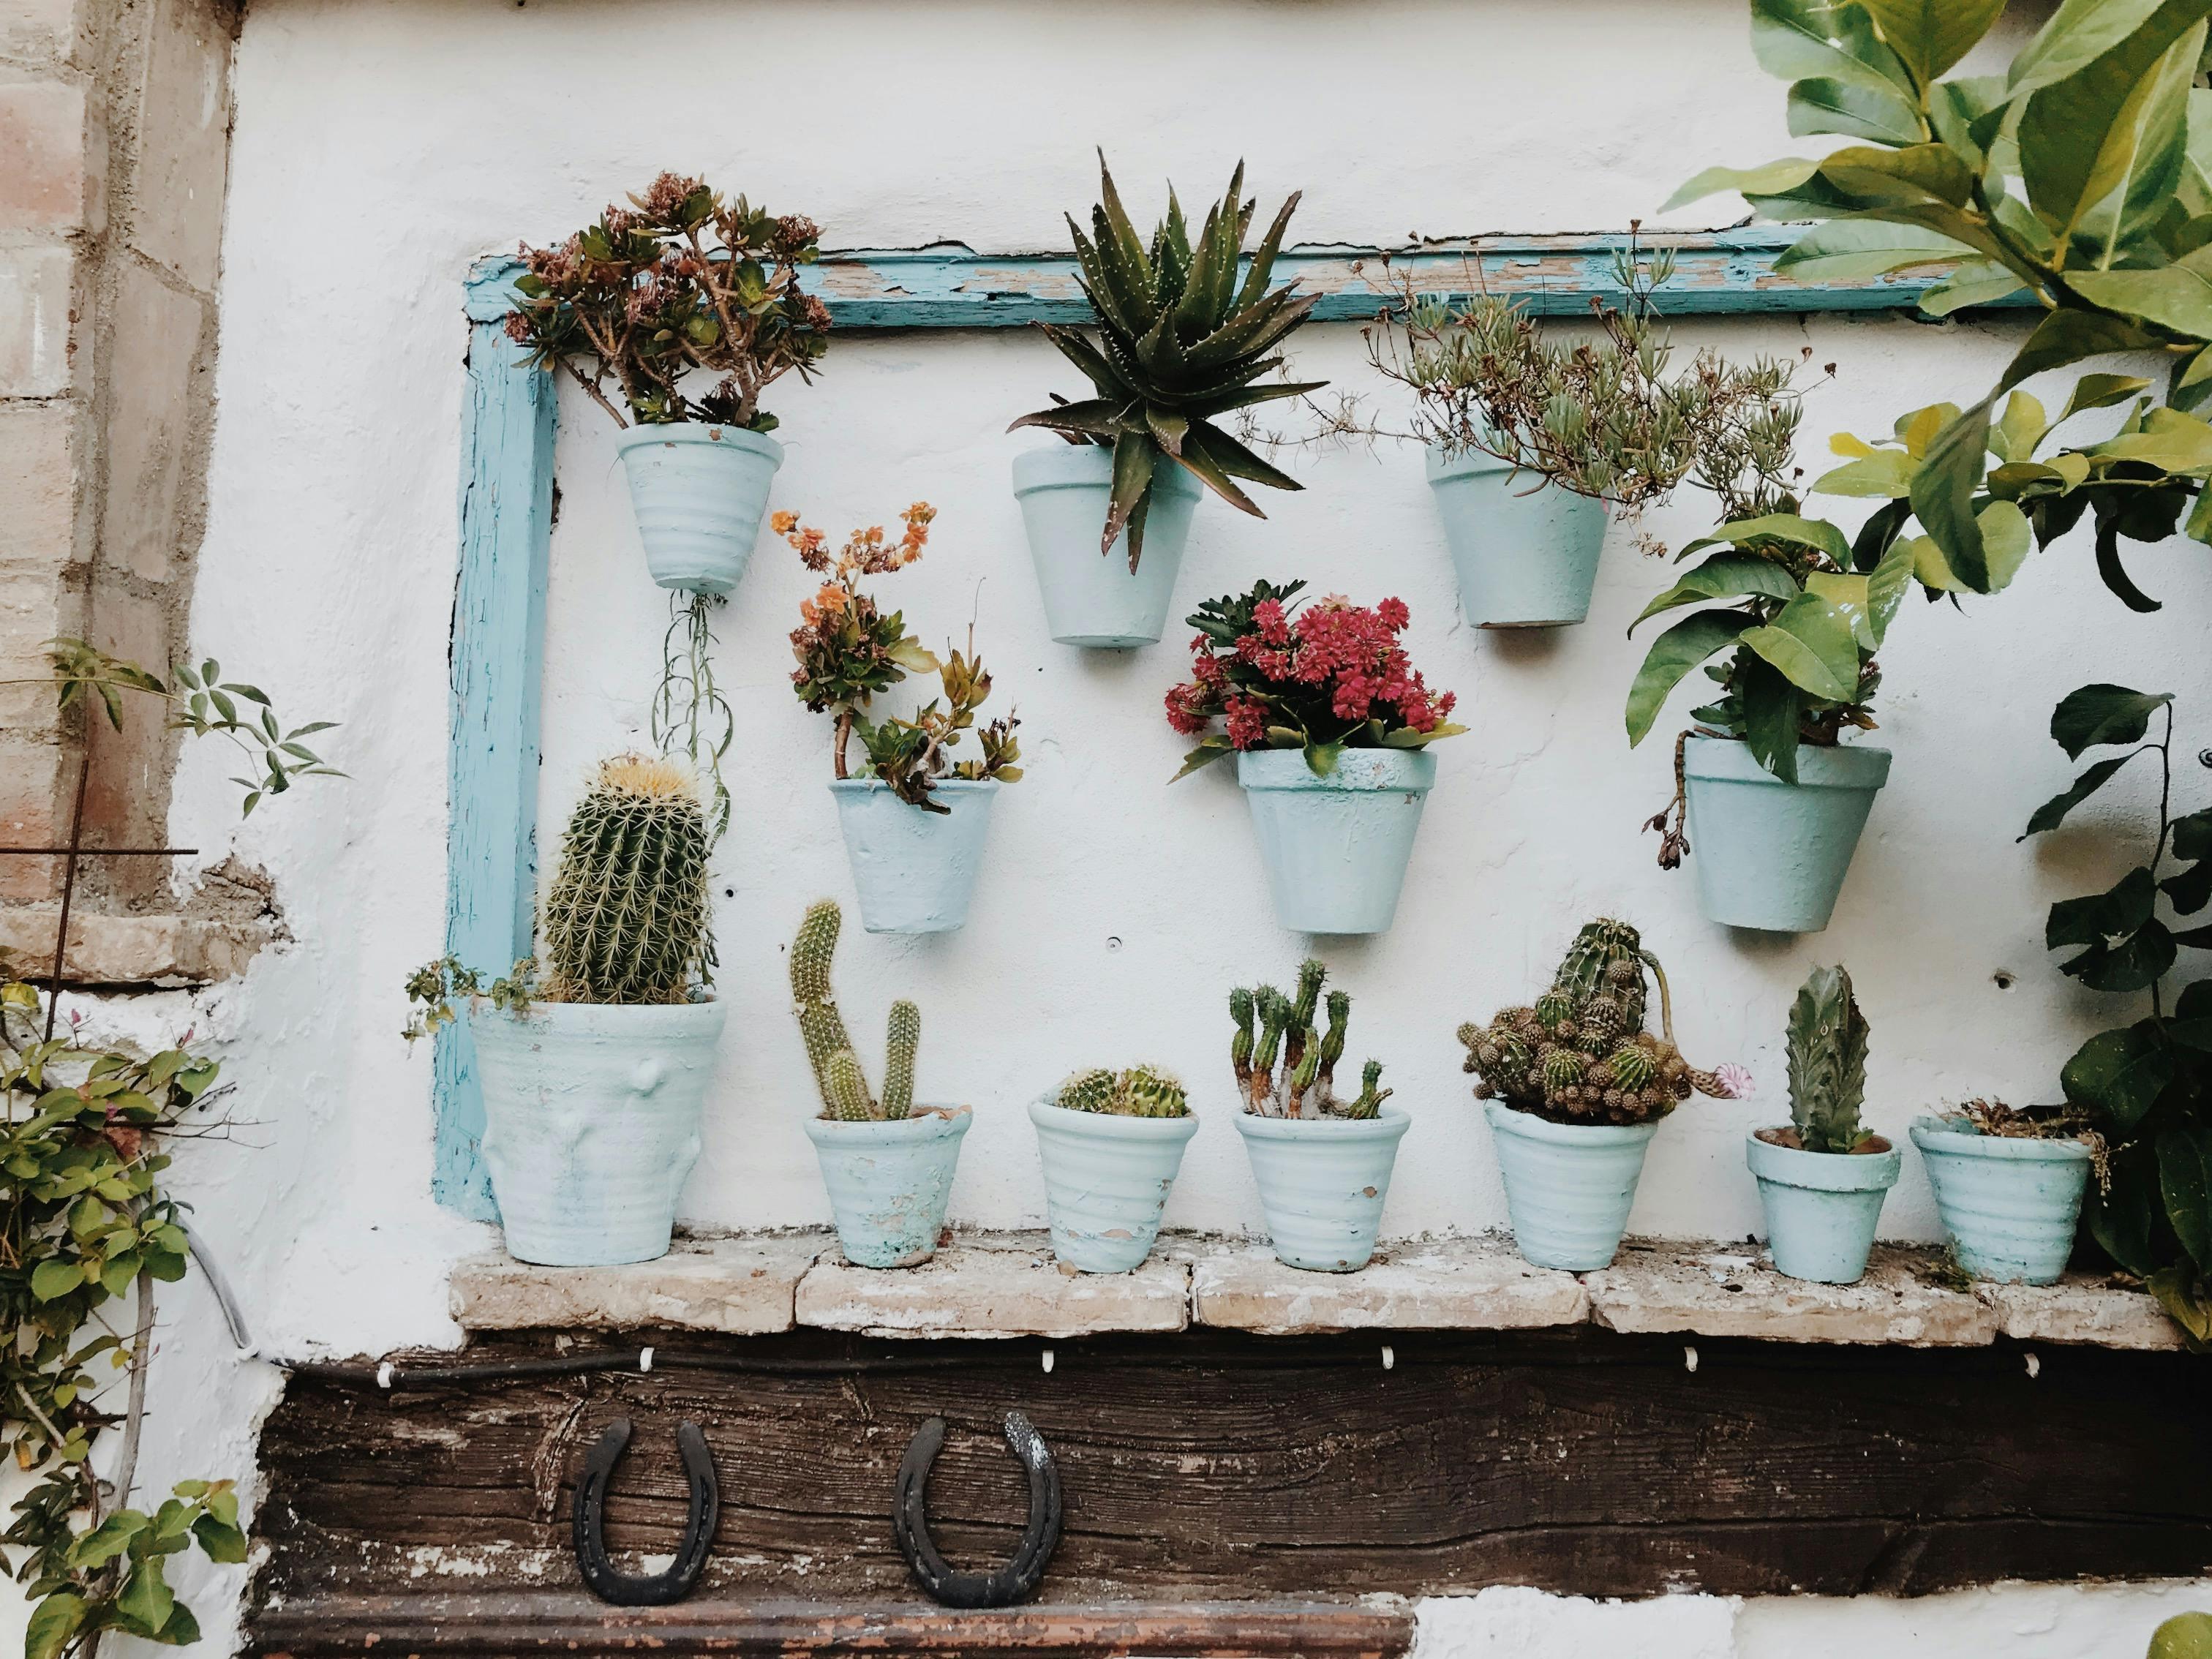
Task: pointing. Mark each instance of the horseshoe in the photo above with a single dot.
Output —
(653, 1589)
(1021, 1575)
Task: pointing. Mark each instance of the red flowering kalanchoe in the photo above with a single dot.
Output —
(1324, 678)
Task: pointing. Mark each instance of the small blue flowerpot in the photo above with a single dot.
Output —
(699, 493)
(1770, 855)
(1821, 1207)
(889, 1182)
(1569, 1187)
(915, 871)
(2009, 1204)
(1092, 598)
(1336, 847)
(1525, 551)
(1106, 1181)
(1322, 1183)
(592, 1123)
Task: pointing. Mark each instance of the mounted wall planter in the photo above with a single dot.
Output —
(699, 493)
(1526, 551)
(1322, 1183)
(915, 871)
(1569, 1187)
(1821, 1207)
(1092, 598)
(592, 1123)
(2009, 1204)
(889, 1181)
(1336, 847)
(1106, 1181)
(1770, 855)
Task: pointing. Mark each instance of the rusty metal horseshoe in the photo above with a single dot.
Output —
(1021, 1575)
(655, 1590)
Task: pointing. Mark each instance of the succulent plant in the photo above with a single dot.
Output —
(626, 918)
(1828, 1050)
(837, 1071)
(1139, 1092)
(1180, 342)
(1286, 1027)
(1579, 1053)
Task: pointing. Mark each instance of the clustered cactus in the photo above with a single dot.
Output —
(837, 1071)
(1828, 1051)
(627, 918)
(1139, 1092)
(1580, 1053)
(1270, 1025)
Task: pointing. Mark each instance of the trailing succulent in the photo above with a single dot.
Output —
(1828, 1050)
(837, 1073)
(1273, 1027)
(1580, 1054)
(1138, 1091)
(1181, 340)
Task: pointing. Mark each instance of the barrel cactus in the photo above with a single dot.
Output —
(1579, 1053)
(1828, 1050)
(837, 1073)
(627, 918)
(1269, 1024)
(1139, 1092)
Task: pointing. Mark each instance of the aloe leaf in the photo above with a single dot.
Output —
(1263, 258)
(1234, 459)
(1201, 466)
(1134, 455)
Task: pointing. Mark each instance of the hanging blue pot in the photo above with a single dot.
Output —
(1770, 855)
(1092, 598)
(1106, 1181)
(1322, 1183)
(1821, 1207)
(699, 493)
(1335, 847)
(592, 1123)
(1569, 1187)
(915, 870)
(889, 1182)
(1525, 551)
(2010, 1203)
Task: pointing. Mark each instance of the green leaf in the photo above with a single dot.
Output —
(2093, 715)
(1931, 35)
(1773, 179)
(2170, 440)
(146, 1601)
(1847, 591)
(2067, 336)
(1812, 643)
(2184, 1636)
(2184, 1180)
(2078, 32)
(1208, 751)
(1856, 108)
(2177, 296)
(1784, 527)
(1943, 491)
(1972, 282)
(1772, 708)
(1725, 575)
(1795, 40)
(2101, 391)
(222, 1540)
(2122, 1072)
(1858, 249)
(1886, 473)
(54, 1624)
(52, 1279)
(1674, 654)
(2100, 916)
(2053, 812)
(1887, 584)
(2005, 538)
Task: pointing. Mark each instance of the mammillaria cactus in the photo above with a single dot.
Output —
(1308, 1054)
(837, 1071)
(1139, 1092)
(1827, 1049)
(627, 917)
(1580, 1054)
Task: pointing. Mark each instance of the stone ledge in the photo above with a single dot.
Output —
(741, 1288)
(994, 1285)
(1731, 1292)
(2083, 1309)
(1478, 1283)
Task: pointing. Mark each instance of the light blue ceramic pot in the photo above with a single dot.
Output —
(1322, 1183)
(699, 493)
(1821, 1207)
(1092, 598)
(592, 1123)
(2010, 1205)
(1569, 1187)
(1770, 855)
(1335, 848)
(915, 871)
(1106, 1181)
(889, 1181)
(1525, 551)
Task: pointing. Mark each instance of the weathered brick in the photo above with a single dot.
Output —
(38, 485)
(183, 130)
(52, 157)
(34, 607)
(38, 316)
(33, 778)
(152, 398)
(39, 29)
(126, 803)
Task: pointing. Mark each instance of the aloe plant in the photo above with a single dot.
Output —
(1181, 341)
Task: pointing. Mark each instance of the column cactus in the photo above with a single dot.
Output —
(837, 1073)
(1309, 1053)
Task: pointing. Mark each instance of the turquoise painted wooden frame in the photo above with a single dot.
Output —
(508, 429)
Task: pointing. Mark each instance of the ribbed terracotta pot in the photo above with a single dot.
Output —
(1821, 1208)
(1106, 1181)
(1322, 1183)
(699, 492)
(2009, 1204)
(1569, 1187)
(889, 1182)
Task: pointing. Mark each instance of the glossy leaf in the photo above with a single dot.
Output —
(2184, 1636)
(1932, 35)
(1858, 249)
(1723, 576)
(2093, 715)
(2122, 1072)
(1811, 641)
(2184, 1180)
(2053, 812)
(1674, 654)
(1772, 179)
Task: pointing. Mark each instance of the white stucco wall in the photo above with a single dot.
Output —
(379, 148)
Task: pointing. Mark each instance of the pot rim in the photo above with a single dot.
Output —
(1388, 1123)
(958, 785)
(1934, 1134)
(929, 1121)
(1045, 1112)
(1831, 1172)
(1511, 1119)
(1845, 766)
(1287, 770)
(709, 1010)
(1440, 464)
(1070, 466)
(736, 438)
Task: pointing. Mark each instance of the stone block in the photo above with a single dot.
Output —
(166, 951)
(53, 156)
(35, 777)
(38, 489)
(1003, 1285)
(184, 133)
(35, 606)
(1468, 1284)
(741, 1288)
(2082, 1308)
(126, 803)
(1708, 1292)
(155, 409)
(38, 316)
(39, 30)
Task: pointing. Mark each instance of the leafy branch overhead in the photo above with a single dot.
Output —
(1180, 341)
(2077, 179)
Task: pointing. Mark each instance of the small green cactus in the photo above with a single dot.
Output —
(1827, 1051)
(1140, 1091)
(1309, 1053)
(626, 916)
(837, 1073)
